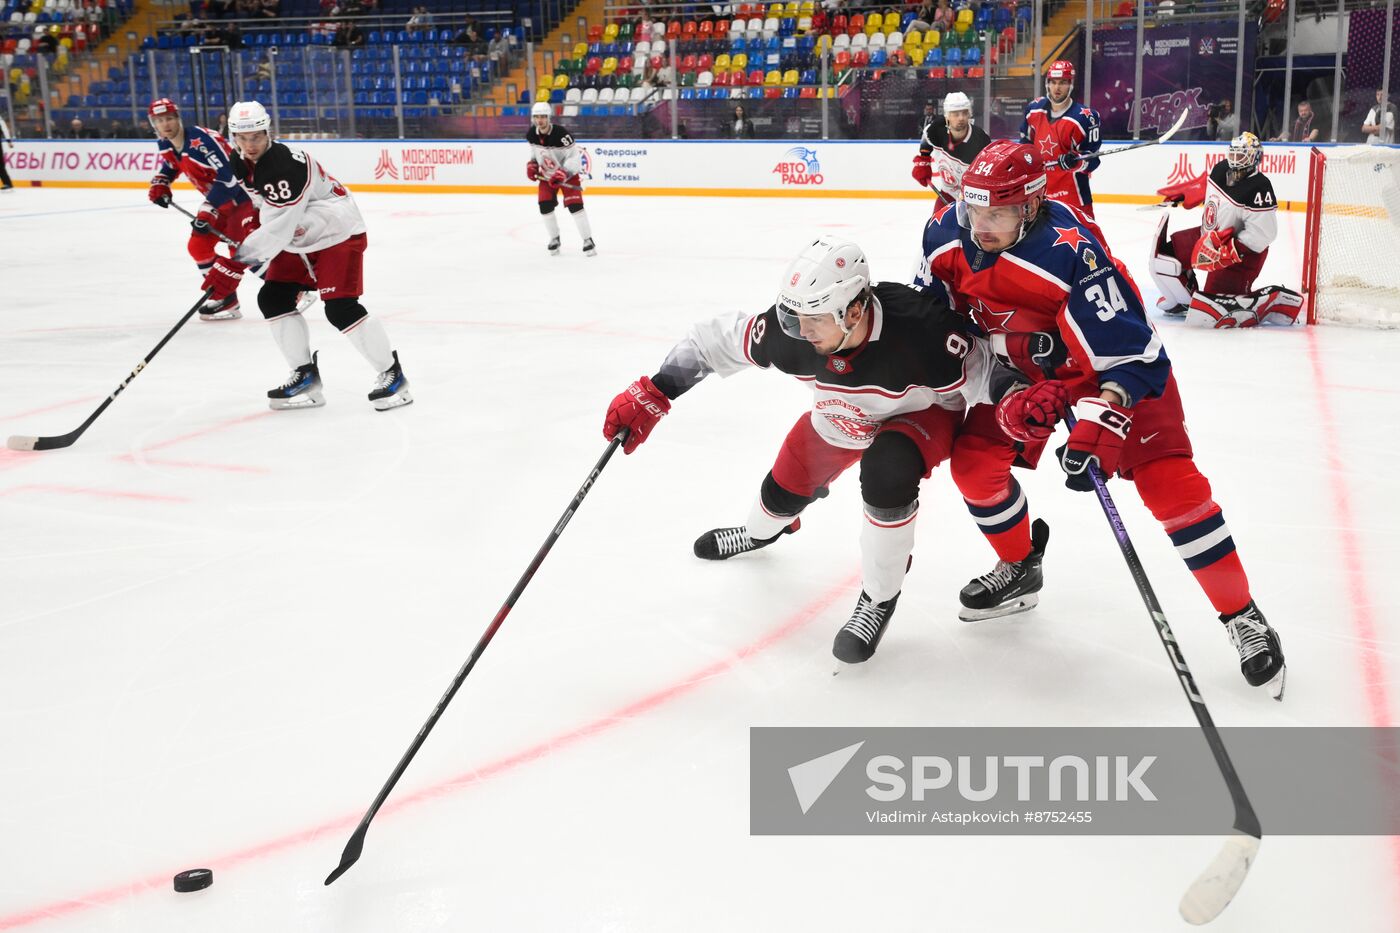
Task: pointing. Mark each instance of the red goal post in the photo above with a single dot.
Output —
(1351, 237)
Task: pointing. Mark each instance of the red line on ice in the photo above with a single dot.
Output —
(1353, 560)
(92, 491)
(195, 464)
(452, 785)
(53, 407)
(222, 425)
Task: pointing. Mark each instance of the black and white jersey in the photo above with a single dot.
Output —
(301, 208)
(554, 149)
(1248, 207)
(951, 158)
(918, 354)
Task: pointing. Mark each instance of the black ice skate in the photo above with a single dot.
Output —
(391, 390)
(858, 638)
(724, 543)
(301, 390)
(554, 247)
(588, 248)
(1261, 653)
(1010, 588)
(220, 309)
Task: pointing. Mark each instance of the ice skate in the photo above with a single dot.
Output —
(220, 309)
(588, 248)
(858, 638)
(301, 390)
(1011, 587)
(724, 543)
(554, 247)
(1261, 653)
(391, 389)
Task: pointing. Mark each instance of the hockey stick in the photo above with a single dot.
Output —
(1214, 888)
(25, 442)
(308, 297)
(1116, 150)
(226, 240)
(356, 845)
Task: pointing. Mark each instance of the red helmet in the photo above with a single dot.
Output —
(1060, 70)
(1006, 172)
(161, 106)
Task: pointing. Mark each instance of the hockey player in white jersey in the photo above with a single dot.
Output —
(1238, 224)
(555, 163)
(892, 369)
(311, 236)
(947, 148)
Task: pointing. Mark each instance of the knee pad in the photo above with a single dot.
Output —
(344, 313)
(780, 501)
(1174, 489)
(547, 207)
(890, 472)
(979, 471)
(575, 207)
(276, 299)
(201, 247)
(1173, 281)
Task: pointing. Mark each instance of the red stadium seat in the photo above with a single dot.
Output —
(771, 92)
(939, 72)
(690, 28)
(707, 29)
(756, 78)
(595, 33)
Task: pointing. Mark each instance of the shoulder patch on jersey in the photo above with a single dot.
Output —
(1069, 236)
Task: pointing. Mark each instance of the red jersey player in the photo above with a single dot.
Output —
(203, 157)
(1066, 135)
(1028, 271)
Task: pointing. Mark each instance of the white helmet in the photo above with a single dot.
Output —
(956, 100)
(542, 109)
(824, 279)
(1244, 154)
(249, 116)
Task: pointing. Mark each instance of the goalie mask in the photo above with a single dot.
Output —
(1243, 157)
(824, 279)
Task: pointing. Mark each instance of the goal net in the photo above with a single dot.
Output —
(1351, 258)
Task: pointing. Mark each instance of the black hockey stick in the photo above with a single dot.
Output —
(226, 240)
(356, 845)
(1214, 888)
(25, 442)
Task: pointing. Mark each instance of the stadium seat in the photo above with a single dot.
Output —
(756, 78)
(873, 22)
(605, 96)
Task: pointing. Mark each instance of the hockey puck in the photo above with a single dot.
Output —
(196, 879)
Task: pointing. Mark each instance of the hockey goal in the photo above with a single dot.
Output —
(1351, 255)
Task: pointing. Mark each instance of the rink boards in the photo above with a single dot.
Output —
(719, 168)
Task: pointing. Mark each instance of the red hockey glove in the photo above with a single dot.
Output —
(1097, 437)
(637, 409)
(204, 221)
(558, 177)
(1216, 250)
(1069, 161)
(222, 279)
(923, 169)
(532, 170)
(160, 192)
(1188, 194)
(1037, 354)
(1031, 414)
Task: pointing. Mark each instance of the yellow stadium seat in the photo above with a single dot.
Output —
(932, 38)
(913, 37)
(791, 8)
(542, 95)
(916, 54)
(609, 65)
(775, 9)
(823, 43)
(739, 62)
(561, 82)
(790, 78)
(807, 8)
(773, 78)
(580, 49)
(610, 32)
(721, 63)
(873, 24)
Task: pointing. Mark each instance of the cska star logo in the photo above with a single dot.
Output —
(1047, 147)
(990, 321)
(1069, 236)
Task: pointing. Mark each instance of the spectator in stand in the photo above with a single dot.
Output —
(742, 127)
(1223, 125)
(943, 16)
(270, 9)
(349, 35)
(264, 72)
(930, 116)
(76, 130)
(923, 17)
(1379, 125)
(499, 49)
(469, 34)
(45, 43)
(330, 8)
(247, 9)
(1303, 129)
(419, 19)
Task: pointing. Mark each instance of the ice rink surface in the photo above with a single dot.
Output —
(221, 626)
